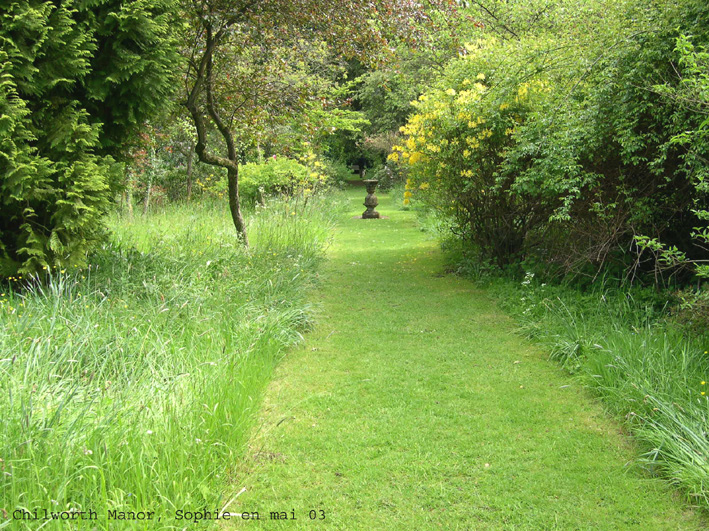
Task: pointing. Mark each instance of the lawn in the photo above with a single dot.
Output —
(415, 405)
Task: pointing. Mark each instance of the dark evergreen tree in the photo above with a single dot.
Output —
(76, 79)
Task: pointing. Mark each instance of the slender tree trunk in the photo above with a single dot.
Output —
(146, 202)
(202, 87)
(129, 195)
(190, 160)
(233, 188)
(151, 174)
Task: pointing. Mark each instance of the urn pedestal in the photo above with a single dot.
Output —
(371, 200)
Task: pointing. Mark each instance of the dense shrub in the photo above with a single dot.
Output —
(565, 150)
(279, 175)
(456, 148)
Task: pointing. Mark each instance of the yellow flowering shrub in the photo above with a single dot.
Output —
(453, 149)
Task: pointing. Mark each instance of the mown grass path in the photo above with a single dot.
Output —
(414, 405)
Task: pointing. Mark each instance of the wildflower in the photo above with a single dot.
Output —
(481, 76)
(406, 202)
(704, 383)
(451, 92)
(424, 186)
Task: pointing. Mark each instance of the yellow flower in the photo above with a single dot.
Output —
(424, 186)
(504, 106)
(704, 383)
(481, 76)
(450, 92)
(415, 157)
(407, 194)
(406, 202)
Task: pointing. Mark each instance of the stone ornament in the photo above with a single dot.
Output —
(371, 200)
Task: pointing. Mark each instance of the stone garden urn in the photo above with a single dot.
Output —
(371, 200)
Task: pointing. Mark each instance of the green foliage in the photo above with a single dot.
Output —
(277, 175)
(692, 92)
(76, 79)
(557, 144)
(382, 94)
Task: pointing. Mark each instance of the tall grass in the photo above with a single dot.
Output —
(132, 385)
(650, 373)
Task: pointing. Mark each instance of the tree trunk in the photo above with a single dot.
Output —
(204, 80)
(190, 159)
(146, 202)
(129, 195)
(234, 206)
